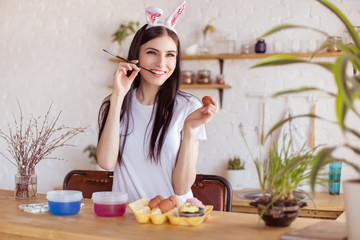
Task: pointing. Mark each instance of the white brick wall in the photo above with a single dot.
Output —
(51, 51)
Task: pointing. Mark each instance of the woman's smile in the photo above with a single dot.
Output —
(158, 55)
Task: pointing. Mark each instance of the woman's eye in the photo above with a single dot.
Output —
(171, 55)
(151, 52)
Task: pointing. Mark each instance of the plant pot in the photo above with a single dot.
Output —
(352, 197)
(280, 213)
(236, 178)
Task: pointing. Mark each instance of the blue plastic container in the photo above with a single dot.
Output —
(64, 202)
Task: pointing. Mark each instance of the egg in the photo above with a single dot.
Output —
(169, 203)
(153, 203)
(207, 100)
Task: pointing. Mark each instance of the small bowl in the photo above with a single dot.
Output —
(64, 202)
(109, 204)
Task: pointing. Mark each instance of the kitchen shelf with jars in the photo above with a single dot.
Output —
(252, 55)
(220, 85)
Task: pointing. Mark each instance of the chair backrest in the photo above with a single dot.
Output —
(210, 189)
(88, 181)
(213, 190)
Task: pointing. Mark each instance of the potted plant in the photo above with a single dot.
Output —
(347, 94)
(280, 174)
(124, 31)
(92, 152)
(235, 172)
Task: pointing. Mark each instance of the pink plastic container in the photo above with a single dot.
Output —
(109, 204)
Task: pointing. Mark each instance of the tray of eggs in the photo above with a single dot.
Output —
(159, 210)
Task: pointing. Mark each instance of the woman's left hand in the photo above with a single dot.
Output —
(201, 115)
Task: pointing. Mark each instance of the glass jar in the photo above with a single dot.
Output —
(260, 46)
(25, 184)
(188, 77)
(220, 79)
(203, 77)
(333, 45)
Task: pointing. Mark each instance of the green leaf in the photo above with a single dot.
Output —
(288, 26)
(282, 122)
(341, 110)
(339, 70)
(302, 89)
(344, 19)
(279, 59)
(321, 159)
(284, 59)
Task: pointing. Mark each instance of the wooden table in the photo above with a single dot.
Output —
(326, 206)
(16, 224)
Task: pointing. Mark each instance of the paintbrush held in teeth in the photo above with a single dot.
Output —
(125, 60)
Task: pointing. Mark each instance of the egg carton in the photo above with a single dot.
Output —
(143, 214)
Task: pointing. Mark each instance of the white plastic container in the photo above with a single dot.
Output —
(109, 204)
(64, 202)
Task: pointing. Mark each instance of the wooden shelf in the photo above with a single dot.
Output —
(222, 57)
(253, 55)
(245, 56)
(202, 86)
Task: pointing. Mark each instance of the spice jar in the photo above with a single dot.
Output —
(188, 77)
(260, 46)
(203, 77)
(220, 79)
(333, 45)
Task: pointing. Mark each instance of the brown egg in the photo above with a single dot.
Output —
(169, 203)
(207, 100)
(153, 203)
(175, 200)
(166, 205)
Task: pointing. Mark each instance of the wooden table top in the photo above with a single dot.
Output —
(16, 224)
(322, 206)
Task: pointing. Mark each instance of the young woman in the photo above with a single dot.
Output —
(154, 147)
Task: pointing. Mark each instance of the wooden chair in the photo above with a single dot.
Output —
(210, 189)
(88, 181)
(213, 190)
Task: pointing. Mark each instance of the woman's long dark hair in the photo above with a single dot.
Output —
(165, 97)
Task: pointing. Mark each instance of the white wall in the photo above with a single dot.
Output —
(50, 51)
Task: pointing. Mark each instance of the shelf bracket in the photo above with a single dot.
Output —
(221, 93)
(221, 63)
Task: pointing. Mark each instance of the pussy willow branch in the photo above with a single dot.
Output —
(31, 142)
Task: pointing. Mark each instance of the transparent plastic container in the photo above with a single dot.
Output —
(64, 202)
(109, 204)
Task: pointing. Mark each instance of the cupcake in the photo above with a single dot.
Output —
(192, 208)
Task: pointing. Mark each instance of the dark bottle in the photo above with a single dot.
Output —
(260, 46)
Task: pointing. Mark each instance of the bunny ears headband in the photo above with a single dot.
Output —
(153, 13)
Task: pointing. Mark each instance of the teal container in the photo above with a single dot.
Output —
(334, 178)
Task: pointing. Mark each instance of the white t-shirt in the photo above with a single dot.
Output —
(137, 175)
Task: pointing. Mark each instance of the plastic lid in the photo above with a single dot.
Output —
(64, 196)
(109, 197)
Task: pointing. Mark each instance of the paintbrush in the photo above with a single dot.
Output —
(125, 60)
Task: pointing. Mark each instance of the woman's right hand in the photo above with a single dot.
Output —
(121, 82)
